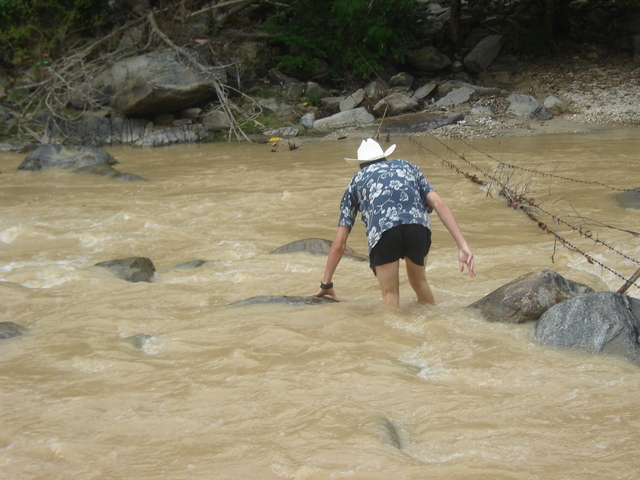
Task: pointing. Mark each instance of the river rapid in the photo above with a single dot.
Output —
(341, 390)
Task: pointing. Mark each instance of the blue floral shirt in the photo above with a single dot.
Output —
(388, 194)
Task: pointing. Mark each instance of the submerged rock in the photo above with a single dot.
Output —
(10, 330)
(59, 156)
(389, 433)
(134, 269)
(630, 199)
(317, 246)
(108, 171)
(141, 341)
(527, 297)
(600, 322)
(191, 264)
(265, 299)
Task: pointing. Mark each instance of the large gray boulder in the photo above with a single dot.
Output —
(158, 82)
(527, 297)
(600, 322)
(134, 269)
(59, 156)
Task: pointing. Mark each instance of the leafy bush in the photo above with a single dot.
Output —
(35, 30)
(353, 36)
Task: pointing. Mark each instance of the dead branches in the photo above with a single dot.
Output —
(221, 90)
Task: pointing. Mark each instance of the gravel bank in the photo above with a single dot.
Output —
(596, 93)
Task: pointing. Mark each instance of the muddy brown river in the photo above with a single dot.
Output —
(308, 392)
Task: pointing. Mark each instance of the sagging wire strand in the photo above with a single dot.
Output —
(520, 199)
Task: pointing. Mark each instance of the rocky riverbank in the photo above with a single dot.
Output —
(595, 93)
(168, 96)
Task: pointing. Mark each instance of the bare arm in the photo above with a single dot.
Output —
(465, 257)
(335, 255)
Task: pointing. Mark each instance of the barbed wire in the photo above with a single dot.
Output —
(545, 174)
(528, 205)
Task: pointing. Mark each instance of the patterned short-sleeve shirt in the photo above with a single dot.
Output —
(388, 194)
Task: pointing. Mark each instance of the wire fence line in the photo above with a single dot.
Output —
(518, 197)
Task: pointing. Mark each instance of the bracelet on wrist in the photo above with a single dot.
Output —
(326, 286)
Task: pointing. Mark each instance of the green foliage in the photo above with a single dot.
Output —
(36, 30)
(353, 36)
(12, 9)
(314, 99)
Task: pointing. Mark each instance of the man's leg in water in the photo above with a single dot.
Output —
(389, 280)
(418, 281)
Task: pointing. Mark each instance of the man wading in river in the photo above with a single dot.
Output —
(395, 200)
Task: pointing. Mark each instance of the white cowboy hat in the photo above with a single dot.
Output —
(371, 150)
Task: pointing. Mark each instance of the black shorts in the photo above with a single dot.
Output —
(411, 241)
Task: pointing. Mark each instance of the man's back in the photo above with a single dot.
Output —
(388, 193)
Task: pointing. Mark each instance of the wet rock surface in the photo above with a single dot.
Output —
(630, 199)
(10, 330)
(65, 157)
(600, 322)
(134, 269)
(527, 297)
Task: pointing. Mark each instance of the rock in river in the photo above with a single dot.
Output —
(59, 156)
(630, 199)
(10, 330)
(527, 297)
(134, 269)
(600, 322)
